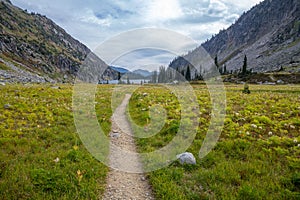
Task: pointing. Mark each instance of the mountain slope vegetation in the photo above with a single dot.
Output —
(32, 43)
(268, 34)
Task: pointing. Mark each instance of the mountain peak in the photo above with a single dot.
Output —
(269, 34)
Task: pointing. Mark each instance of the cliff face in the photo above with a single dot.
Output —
(38, 46)
(269, 34)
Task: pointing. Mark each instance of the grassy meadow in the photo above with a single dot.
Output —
(257, 156)
(258, 153)
(41, 155)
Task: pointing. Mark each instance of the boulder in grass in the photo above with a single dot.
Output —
(186, 158)
(7, 106)
(56, 87)
(280, 82)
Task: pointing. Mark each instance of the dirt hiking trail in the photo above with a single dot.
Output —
(120, 184)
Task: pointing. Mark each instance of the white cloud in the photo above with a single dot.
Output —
(137, 60)
(217, 8)
(89, 17)
(161, 11)
(131, 41)
(94, 21)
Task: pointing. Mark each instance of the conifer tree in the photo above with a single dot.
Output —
(188, 74)
(244, 69)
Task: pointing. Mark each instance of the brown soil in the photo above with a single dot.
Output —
(120, 184)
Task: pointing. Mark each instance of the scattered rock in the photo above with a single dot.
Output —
(56, 87)
(295, 141)
(270, 133)
(280, 82)
(56, 160)
(187, 158)
(253, 126)
(115, 135)
(268, 83)
(292, 127)
(18, 75)
(7, 106)
(2, 83)
(145, 94)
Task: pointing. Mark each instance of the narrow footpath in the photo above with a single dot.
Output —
(120, 184)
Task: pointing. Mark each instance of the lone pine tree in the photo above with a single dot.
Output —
(244, 69)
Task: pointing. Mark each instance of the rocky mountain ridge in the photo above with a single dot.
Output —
(34, 44)
(268, 34)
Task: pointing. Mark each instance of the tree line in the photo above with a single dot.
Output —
(190, 73)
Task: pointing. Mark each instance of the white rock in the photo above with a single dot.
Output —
(295, 141)
(187, 158)
(292, 127)
(7, 106)
(253, 126)
(269, 83)
(115, 135)
(270, 133)
(55, 87)
(280, 82)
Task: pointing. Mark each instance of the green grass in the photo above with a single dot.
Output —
(37, 128)
(247, 162)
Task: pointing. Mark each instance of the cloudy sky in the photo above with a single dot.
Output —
(95, 21)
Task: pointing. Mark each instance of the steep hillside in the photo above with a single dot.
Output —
(268, 34)
(34, 49)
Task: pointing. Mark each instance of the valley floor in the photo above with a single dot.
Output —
(256, 157)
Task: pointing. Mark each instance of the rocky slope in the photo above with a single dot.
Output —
(268, 34)
(34, 44)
